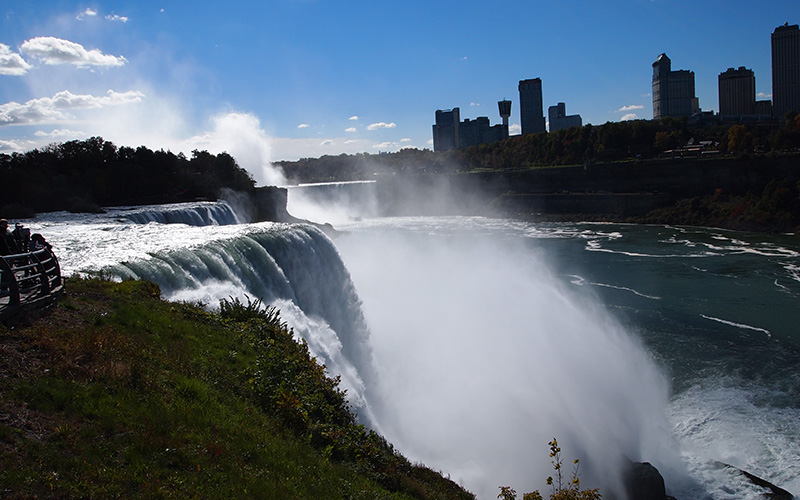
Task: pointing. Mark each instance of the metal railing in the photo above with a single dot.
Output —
(28, 277)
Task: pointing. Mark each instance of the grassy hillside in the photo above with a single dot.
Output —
(117, 393)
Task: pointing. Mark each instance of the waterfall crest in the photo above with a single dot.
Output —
(196, 214)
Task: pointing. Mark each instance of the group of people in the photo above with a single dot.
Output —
(20, 240)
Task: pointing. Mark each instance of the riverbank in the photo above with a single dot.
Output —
(118, 393)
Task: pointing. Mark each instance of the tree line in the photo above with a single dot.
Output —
(610, 142)
(82, 176)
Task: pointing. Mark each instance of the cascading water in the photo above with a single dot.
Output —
(201, 214)
(484, 356)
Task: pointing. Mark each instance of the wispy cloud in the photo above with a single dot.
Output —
(12, 63)
(59, 133)
(327, 142)
(764, 95)
(56, 109)
(405, 139)
(51, 50)
(89, 12)
(631, 107)
(115, 17)
(303, 125)
(630, 116)
(350, 129)
(353, 118)
(376, 126)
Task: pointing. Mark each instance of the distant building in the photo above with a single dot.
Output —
(785, 69)
(446, 130)
(504, 107)
(737, 97)
(673, 91)
(531, 111)
(451, 133)
(737, 92)
(559, 119)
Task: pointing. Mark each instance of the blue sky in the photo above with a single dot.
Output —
(286, 79)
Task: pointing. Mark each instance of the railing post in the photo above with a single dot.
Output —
(44, 279)
(9, 278)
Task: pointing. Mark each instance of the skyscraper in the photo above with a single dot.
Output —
(737, 92)
(446, 134)
(673, 91)
(785, 69)
(531, 111)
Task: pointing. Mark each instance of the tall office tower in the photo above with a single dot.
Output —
(531, 112)
(737, 92)
(785, 69)
(673, 91)
(505, 111)
(661, 69)
(446, 134)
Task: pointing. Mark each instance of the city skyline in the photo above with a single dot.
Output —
(304, 78)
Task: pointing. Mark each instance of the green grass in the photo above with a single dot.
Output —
(119, 394)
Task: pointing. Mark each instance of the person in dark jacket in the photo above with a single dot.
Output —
(8, 246)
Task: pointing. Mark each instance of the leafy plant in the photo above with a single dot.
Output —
(560, 490)
(236, 310)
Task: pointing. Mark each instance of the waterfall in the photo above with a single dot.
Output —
(296, 268)
(196, 214)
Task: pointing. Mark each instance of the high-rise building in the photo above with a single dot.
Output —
(446, 130)
(673, 91)
(531, 111)
(785, 69)
(737, 92)
(451, 133)
(559, 120)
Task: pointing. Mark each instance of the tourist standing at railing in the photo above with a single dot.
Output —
(8, 246)
(22, 235)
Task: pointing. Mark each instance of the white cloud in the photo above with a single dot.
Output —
(405, 139)
(350, 129)
(303, 125)
(349, 141)
(376, 126)
(60, 133)
(764, 95)
(114, 17)
(53, 50)
(386, 145)
(630, 116)
(12, 63)
(86, 14)
(16, 145)
(629, 108)
(474, 104)
(57, 108)
(353, 118)
(327, 142)
(514, 129)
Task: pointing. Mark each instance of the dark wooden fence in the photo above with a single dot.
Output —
(28, 281)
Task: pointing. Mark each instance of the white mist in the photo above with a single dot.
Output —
(483, 357)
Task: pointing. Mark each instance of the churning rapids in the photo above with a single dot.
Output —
(471, 342)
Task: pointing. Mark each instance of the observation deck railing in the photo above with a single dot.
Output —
(28, 281)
